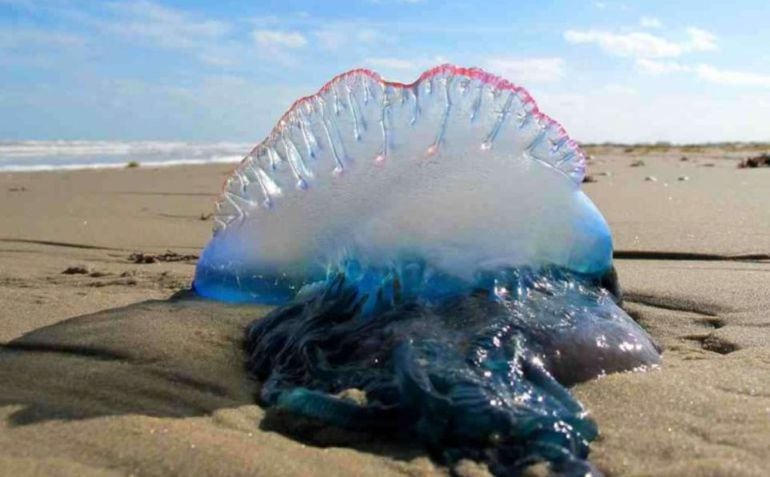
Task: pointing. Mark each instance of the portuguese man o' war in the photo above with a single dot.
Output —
(429, 247)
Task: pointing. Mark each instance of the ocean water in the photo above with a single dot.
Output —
(68, 155)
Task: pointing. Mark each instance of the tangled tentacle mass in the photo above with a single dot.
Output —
(466, 367)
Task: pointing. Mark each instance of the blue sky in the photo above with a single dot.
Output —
(686, 71)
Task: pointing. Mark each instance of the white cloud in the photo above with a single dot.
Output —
(265, 20)
(217, 59)
(163, 26)
(16, 38)
(705, 72)
(655, 67)
(620, 89)
(630, 44)
(682, 118)
(370, 35)
(330, 38)
(605, 5)
(213, 42)
(527, 70)
(643, 44)
(281, 39)
(702, 40)
(22, 46)
(650, 22)
(343, 36)
(731, 78)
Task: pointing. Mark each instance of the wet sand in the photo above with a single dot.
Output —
(104, 373)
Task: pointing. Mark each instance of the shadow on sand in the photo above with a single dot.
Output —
(178, 358)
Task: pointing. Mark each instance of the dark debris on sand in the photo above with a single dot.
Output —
(168, 256)
(77, 270)
(763, 160)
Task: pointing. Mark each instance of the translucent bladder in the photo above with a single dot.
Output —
(459, 168)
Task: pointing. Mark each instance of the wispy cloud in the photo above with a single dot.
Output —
(331, 38)
(643, 44)
(730, 77)
(607, 5)
(650, 22)
(17, 38)
(598, 116)
(655, 67)
(163, 26)
(280, 46)
(701, 40)
(706, 72)
(527, 70)
(279, 39)
(211, 71)
(38, 47)
(214, 42)
(334, 37)
(620, 89)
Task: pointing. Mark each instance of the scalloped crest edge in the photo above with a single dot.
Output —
(469, 72)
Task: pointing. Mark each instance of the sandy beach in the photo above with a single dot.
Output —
(108, 367)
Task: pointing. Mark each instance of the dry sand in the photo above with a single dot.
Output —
(102, 374)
